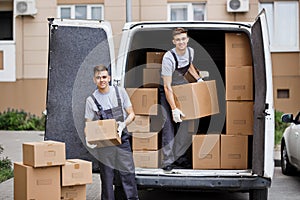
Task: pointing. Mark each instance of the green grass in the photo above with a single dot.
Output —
(279, 127)
(6, 171)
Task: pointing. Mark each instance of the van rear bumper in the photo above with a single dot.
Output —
(230, 182)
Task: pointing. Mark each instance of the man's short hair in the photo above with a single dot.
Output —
(178, 31)
(100, 68)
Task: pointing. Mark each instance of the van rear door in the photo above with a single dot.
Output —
(75, 47)
(263, 137)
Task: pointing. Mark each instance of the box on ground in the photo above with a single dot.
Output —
(146, 159)
(145, 141)
(239, 118)
(144, 100)
(43, 154)
(154, 57)
(197, 100)
(141, 123)
(77, 192)
(239, 83)
(76, 172)
(36, 183)
(238, 51)
(102, 132)
(206, 151)
(234, 152)
(151, 77)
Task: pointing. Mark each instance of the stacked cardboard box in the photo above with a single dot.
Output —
(151, 73)
(239, 102)
(41, 174)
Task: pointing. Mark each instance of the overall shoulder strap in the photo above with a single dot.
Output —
(100, 112)
(118, 96)
(175, 58)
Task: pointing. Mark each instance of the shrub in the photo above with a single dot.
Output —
(19, 120)
(6, 171)
(279, 127)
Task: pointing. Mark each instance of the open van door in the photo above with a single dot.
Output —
(263, 136)
(75, 47)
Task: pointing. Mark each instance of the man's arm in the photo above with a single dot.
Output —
(130, 116)
(169, 91)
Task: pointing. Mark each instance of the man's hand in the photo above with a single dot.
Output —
(92, 146)
(121, 126)
(176, 113)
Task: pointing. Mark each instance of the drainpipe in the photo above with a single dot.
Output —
(128, 10)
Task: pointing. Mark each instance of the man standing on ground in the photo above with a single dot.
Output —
(109, 102)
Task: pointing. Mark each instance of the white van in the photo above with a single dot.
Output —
(76, 46)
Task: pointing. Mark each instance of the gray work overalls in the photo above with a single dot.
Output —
(175, 137)
(116, 158)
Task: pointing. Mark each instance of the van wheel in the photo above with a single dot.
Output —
(286, 167)
(259, 194)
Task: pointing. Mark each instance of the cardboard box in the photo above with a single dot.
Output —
(77, 192)
(197, 100)
(43, 154)
(146, 159)
(145, 141)
(206, 151)
(151, 77)
(153, 65)
(102, 132)
(144, 100)
(239, 117)
(237, 50)
(141, 123)
(234, 152)
(36, 183)
(239, 83)
(76, 172)
(154, 57)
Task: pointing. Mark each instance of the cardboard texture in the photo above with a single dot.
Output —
(77, 192)
(76, 172)
(206, 151)
(234, 152)
(43, 154)
(102, 132)
(1, 60)
(239, 118)
(154, 57)
(36, 183)
(237, 50)
(151, 77)
(145, 141)
(146, 159)
(144, 100)
(239, 83)
(141, 123)
(153, 65)
(197, 100)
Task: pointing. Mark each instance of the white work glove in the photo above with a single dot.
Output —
(92, 146)
(200, 80)
(176, 113)
(121, 126)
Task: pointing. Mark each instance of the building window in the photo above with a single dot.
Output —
(283, 93)
(186, 12)
(6, 22)
(283, 22)
(81, 12)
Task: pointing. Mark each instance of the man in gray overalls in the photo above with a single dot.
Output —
(109, 102)
(175, 137)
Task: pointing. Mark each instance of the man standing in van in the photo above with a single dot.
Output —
(175, 137)
(110, 102)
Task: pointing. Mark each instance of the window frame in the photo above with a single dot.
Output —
(272, 17)
(88, 8)
(190, 10)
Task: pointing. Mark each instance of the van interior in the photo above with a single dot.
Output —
(209, 55)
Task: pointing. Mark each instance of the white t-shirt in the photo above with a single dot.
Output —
(107, 101)
(169, 63)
